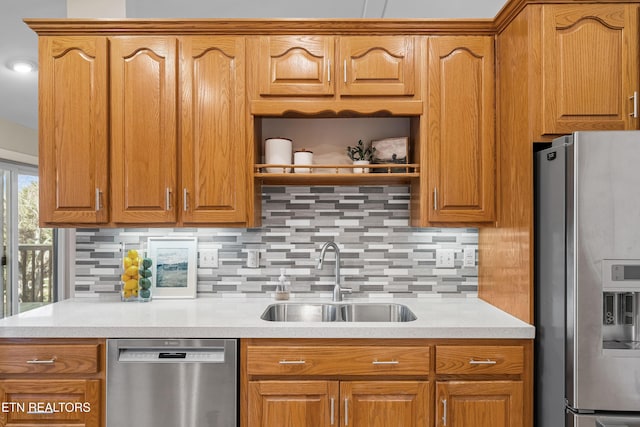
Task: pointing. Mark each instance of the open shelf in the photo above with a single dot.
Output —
(384, 174)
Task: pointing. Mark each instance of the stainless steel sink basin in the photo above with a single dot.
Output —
(327, 312)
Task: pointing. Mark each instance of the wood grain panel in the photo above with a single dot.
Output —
(498, 360)
(377, 66)
(76, 403)
(292, 404)
(73, 147)
(384, 403)
(66, 359)
(143, 129)
(332, 360)
(213, 161)
(479, 404)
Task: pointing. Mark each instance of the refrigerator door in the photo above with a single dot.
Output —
(592, 420)
(603, 223)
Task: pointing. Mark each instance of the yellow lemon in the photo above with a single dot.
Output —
(132, 271)
(124, 277)
(127, 262)
(130, 285)
(133, 254)
(127, 294)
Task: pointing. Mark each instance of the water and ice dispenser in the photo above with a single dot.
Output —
(621, 304)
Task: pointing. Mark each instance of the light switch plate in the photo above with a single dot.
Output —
(445, 258)
(253, 258)
(469, 257)
(209, 258)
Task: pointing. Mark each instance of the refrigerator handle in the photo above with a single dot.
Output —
(634, 99)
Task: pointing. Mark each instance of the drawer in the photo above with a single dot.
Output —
(469, 360)
(49, 359)
(337, 360)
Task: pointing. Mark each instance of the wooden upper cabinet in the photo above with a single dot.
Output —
(479, 404)
(143, 129)
(377, 66)
(73, 148)
(461, 129)
(590, 67)
(296, 65)
(213, 161)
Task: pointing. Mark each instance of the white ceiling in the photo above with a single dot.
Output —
(19, 93)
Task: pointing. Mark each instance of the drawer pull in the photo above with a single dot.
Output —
(42, 362)
(292, 362)
(40, 412)
(482, 362)
(385, 362)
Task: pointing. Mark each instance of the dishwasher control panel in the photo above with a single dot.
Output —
(171, 356)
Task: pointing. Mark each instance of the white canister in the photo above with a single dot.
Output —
(277, 151)
(302, 157)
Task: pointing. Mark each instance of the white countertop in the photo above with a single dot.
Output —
(237, 317)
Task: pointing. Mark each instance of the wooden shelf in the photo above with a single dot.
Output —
(332, 175)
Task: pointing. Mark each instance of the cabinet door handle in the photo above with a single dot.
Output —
(634, 99)
(385, 362)
(435, 198)
(444, 412)
(36, 361)
(345, 70)
(333, 407)
(167, 200)
(185, 195)
(39, 412)
(346, 411)
(329, 78)
(482, 362)
(292, 362)
(98, 204)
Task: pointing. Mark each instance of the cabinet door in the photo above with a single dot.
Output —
(384, 403)
(70, 403)
(73, 157)
(296, 65)
(479, 404)
(214, 165)
(143, 129)
(377, 66)
(293, 403)
(590, 63)
(461, 135)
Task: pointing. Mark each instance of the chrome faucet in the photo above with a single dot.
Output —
(337, 289)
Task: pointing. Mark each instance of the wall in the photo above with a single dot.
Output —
(18, 143)
(380, 252)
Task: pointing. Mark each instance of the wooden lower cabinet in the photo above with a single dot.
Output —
(338, 403)
(72, 403)
(479, 404)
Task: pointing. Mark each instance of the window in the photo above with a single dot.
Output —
(28, 251)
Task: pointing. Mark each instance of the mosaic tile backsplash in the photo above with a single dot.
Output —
(380, 253)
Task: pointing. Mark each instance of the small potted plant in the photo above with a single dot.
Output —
(360, 156)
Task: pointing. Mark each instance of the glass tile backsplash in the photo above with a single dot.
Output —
(380, 253)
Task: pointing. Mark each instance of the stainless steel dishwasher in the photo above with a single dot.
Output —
(172, 383)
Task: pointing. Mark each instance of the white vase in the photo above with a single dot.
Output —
(361, 170)
(278, 151)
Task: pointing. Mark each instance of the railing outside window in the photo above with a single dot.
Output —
(35, 278)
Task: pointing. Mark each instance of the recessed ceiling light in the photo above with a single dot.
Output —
(22, 66)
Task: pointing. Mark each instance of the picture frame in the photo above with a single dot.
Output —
(390, 150)
(174, 269)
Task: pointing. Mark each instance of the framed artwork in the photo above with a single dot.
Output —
(390, 150)
(174, 266)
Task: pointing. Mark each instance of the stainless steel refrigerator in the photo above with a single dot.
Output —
(587, 269)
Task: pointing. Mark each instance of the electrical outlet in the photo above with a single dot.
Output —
(253, 258)
(445, 258)
(469, 257)
(209, 258)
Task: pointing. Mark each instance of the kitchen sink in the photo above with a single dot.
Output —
(347, 312)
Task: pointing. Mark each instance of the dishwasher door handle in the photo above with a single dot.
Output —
(172, 355)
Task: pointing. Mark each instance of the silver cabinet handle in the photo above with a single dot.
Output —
(167, 200)
(39, 412)
(634, 98)
(98, 204)
(444, 412)
(346, 411)
(435, 198)
(482, 362)
(329, 78)
(42, 362)
(345, 70)
(333, 407)
(385, 362)
(185, 195)
(292, 362)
